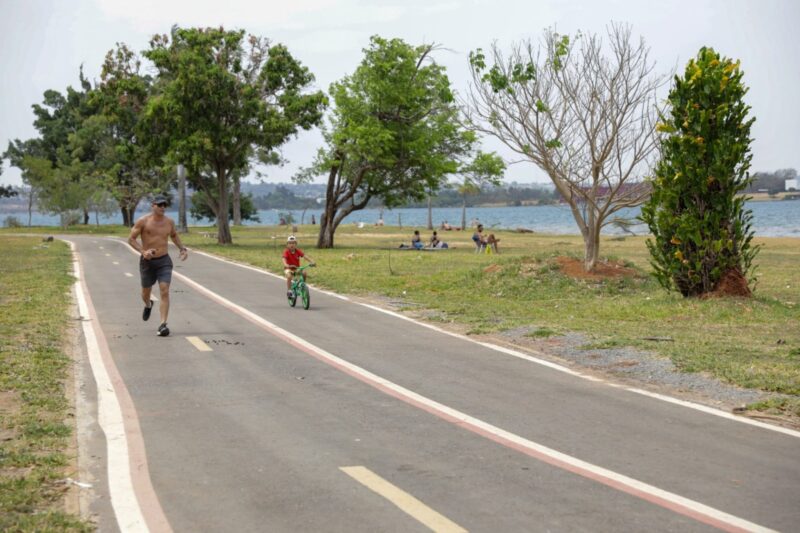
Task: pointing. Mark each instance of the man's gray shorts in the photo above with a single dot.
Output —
(157, 269)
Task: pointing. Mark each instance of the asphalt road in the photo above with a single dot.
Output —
(259, 432)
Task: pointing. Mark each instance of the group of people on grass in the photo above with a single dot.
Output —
(433, 243)
(483, 243)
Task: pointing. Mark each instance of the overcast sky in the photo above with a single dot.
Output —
(44, 42)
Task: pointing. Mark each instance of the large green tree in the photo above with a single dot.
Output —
(394, 133)
(700, 225)
(131, 169)
(221, 100)
(57, 163)
(16, 153)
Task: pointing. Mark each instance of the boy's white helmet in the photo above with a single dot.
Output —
(291, 238)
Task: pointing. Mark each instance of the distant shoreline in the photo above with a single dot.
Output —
(777, 197)
(771, 218)
(17, 209)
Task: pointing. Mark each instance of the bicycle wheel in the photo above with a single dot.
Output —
(306, 296)
(293, 297)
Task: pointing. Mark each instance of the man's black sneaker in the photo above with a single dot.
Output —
(163, 330)
(146, 312)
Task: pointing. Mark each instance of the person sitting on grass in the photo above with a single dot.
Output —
(492, 241)
(478, 238)
(416, 241)
(437, 244)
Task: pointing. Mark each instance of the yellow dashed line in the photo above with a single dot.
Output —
(405, 501)
(199, 344)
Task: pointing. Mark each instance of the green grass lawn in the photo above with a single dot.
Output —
(35, 281)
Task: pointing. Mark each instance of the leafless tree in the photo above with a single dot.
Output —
(585, 113)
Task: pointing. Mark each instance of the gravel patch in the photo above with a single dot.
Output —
(636, 367)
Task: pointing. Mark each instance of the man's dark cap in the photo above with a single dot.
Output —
(159, 199)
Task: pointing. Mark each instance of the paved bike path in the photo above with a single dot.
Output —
(262, 398)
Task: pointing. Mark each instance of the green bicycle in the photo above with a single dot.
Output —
(299, 288)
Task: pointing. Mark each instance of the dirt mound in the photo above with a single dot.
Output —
(733, 283)
(602, 269)
(491, 269)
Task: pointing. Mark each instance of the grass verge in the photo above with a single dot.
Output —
(35, 280)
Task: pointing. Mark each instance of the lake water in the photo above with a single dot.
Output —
(770, 219)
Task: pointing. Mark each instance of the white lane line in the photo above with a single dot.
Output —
(129, 274)
(199, 344)
(405, 501)
(123, 498)
(102, 248)
(668, 500)
(115, 262)
(542, 362)
(108, 255)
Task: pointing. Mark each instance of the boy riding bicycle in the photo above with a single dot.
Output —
(291, 260)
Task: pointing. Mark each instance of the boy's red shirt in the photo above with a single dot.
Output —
(293, 259)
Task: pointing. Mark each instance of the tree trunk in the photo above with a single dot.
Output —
(333, 215)
(589, 224)
(86, 216)
(591, 242)
(126, 218)
(182, 226)
(326, 231)
(430, 213)
(237, 206)
(327, 225)
(325, 239)
(464, 214)
(223, 226)
(30, 207)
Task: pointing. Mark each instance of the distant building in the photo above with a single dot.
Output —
(792, 184)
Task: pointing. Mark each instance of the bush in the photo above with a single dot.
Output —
(699, 221)
(12, 222)
(70, 218)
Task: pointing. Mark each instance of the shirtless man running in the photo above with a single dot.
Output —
(155, 263)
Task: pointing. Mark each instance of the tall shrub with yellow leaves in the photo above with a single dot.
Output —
(701, 227)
